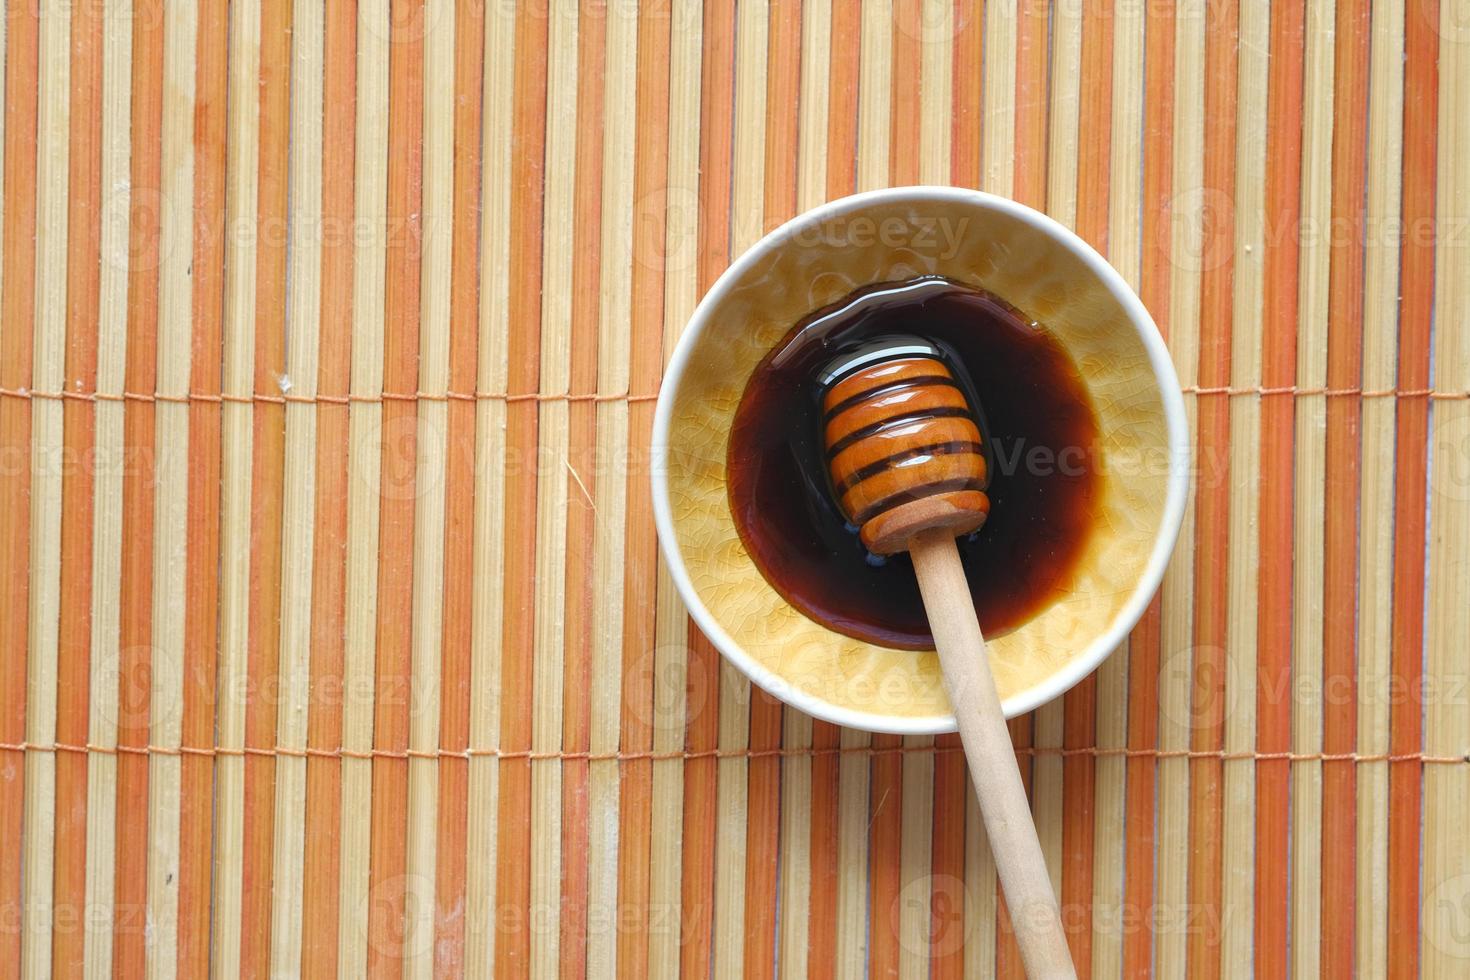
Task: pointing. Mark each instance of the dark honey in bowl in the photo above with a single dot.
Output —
(1040, 439)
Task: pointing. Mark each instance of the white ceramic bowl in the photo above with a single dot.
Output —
(1044, 270)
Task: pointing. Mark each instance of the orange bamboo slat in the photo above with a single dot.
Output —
(1211, 619)
(1080, 704)
(1416, 306)
(135, 629)
(266, 487)
(717, 134)
(201, 580)
(74, 640)
(1341, 530)
(321, 893)
(1273, 727)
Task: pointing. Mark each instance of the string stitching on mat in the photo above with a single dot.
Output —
(1300, 390)
(507, 754)
(476, 396)
(282, 399)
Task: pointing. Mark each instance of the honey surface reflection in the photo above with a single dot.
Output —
(1040, 440)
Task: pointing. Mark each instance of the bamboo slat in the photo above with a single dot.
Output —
(1124, 249)
(237, 437)
(997, 161)
(267, 475)
(1053, 811)
(670, 663)
(1238, 693)
(1214, 532)
(337, 638)
(712, 253)
(364, 424)
(201, 622)
(48, 367)
(299, 506)
(431, 439)
(1416, 304)
(1278, 366)
(799, 790)
(1177, 613)
(112, 332)
(552, 489)
(1341, 528)
(1308, 569)
(1375, 538)
(74, 571)
(763, 827)
(322, 862)
(17, 301)
(644, 355)
(488, 559)
(732, 792)
(130, 894)
(1145, 642)
(613, 366)
(513, 885)
(581, 479)
(1445, 879)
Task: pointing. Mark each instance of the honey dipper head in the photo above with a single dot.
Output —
(903, 449)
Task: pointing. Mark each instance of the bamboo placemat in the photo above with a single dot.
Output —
(334, 634)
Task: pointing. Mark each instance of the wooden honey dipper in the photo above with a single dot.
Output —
(908, 468)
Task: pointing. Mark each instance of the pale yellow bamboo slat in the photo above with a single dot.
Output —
(1125, 253)
(489, 543)
(796, 773)
(853, 779)
(117, 53)
(997, 165)
(852, 856)
(671, 620)
(551, 488)
(1311, 455)
(936, 88)
(670, 672)
(364, 453)
(1061, 204)
(1065, 89)
(613, 362)
(1375, 537)
(299, 513)
(437, 215)
(53, 127)
(237, 432)
(171, 503)
(997, 156)
(1445, 945)
(875, 89)
(916, 851)
(1171, 892)
(1239, 710)
(795, 844)
(746, 219)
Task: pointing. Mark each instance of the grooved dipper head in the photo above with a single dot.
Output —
(903, 449)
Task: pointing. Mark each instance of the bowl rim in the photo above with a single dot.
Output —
(1165, 378)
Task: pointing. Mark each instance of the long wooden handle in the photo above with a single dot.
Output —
(992, 758)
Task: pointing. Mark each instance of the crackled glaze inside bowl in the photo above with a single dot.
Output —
(811, 264)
